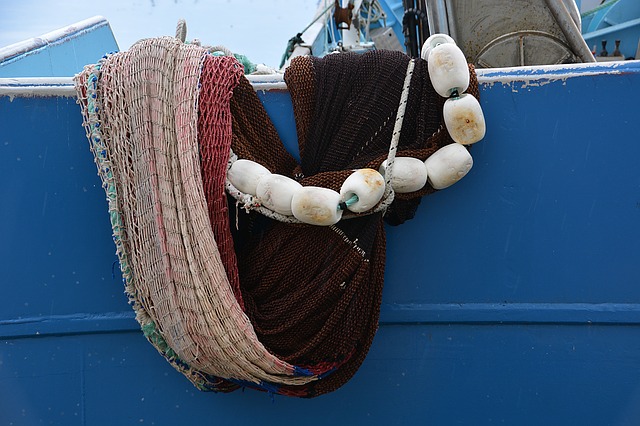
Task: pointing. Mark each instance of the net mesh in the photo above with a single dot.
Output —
(314, 293)
(148, 117)
(287, 308)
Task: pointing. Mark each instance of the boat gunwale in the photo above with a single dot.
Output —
(30, 46)
(64, 86)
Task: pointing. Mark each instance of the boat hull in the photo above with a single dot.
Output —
(510, 298)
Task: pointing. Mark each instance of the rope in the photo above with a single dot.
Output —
(320, 15)
(249, 202)
(181, 35)
(220, 48)
(371, 19)
(291, 44)
(297, 39)
(389, 195)
(597, 9)
(181, 30)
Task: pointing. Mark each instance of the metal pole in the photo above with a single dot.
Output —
(574, 11)
(437, 14)
(451, 19)
(570, 29)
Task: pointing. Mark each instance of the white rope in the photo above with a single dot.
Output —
(181, 34)
(250, 202)
(220, 48)
(389, 195)
(181, 30)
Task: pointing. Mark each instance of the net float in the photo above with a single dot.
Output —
(409, 174)
(275, 192)
(367, 185)
(448, 165)
(245, 174)
(448, 69)
(432, 42)
(316, 206)
(464, 119)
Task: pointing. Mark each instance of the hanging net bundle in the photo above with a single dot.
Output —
(232, 298)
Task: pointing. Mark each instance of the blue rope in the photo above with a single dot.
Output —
(345, 204)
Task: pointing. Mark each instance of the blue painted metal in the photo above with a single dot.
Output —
(277, 103)
(59, 54)
(592, 19)
(395, 12)
(615, 20)
(511, 298)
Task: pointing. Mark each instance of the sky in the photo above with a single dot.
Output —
(259, 29)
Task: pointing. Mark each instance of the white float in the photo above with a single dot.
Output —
(316, 206)
(448, 69)
(367, 185)
(448, 165)
(409, 174)
(245, 174)
(432, 42)
(464, 119)
(275, 192)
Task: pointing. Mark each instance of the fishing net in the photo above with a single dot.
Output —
(313, 293)
(232, 298)
(146, 112)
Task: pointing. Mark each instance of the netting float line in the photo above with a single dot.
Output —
(282, 307)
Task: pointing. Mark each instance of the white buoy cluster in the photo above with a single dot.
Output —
(364, 188)
(463, 118)
(360, 192)
(442, 169)
(449, 76)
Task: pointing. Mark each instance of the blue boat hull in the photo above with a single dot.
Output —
(511, 298)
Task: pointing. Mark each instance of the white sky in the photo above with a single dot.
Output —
(259, 29)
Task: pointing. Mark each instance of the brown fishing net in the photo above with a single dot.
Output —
(287, 308)
(313, 293)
